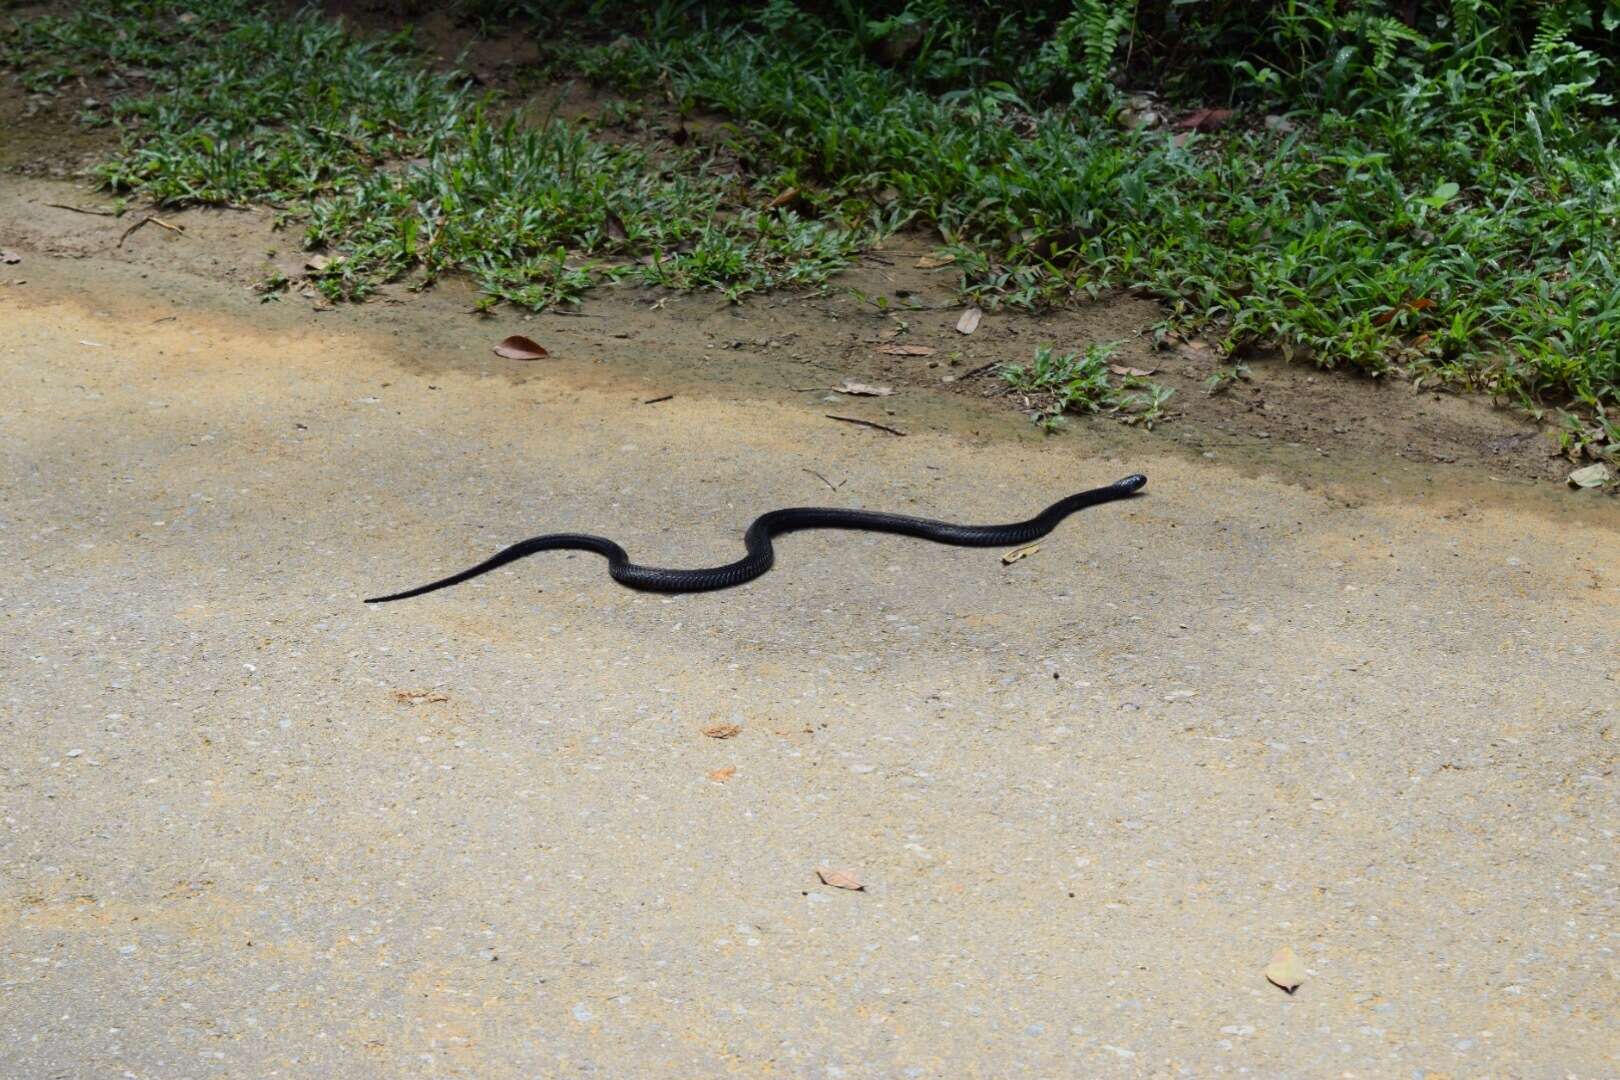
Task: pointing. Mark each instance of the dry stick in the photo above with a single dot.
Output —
(980, 370)
(824, 480)
(156, 221)
(865, 423)
(82, 210)
(656, 400)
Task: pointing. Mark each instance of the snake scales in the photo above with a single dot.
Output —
(758, 542)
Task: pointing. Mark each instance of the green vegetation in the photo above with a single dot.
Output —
(1360, 183)
(1053, 385)
(402, 170)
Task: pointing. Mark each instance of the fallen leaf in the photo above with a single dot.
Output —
(186, 18)
(518, 347)
(1286, 970)
(720, 776)
(10, 258)
(1019, 553)
(318, 263)
(1590, 477)
(723, 731)
(1205, 120)
(420, 697)
(783, 199)
(1422, 303)
(934, 262)
(860, 389)
(905, 350)
(969, 321)
(1131, 372)
(840, 879)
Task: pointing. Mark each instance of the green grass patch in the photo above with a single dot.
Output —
(1055, 384)
(1458, 224)
(402, 170)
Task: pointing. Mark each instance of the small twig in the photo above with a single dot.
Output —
(156, 221)
(865, 423)
(824, 480)
(980, 370)
(83, 210)
(656, 400)
(131, 229)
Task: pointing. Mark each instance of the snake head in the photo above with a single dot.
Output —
(1133, 482)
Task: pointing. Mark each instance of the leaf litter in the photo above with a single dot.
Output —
(1286, 971)
(840, 879)
(518, 347)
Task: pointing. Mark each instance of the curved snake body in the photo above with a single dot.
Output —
(757, 540)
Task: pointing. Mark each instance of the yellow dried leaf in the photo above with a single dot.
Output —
(969, 321)
(860, 389)
(934, 262)
(1019, 553)
(840, 879)
(720, 776)
(1286, 970)
(723, 731)
(420, 697)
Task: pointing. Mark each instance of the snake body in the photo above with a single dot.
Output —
(758, 542)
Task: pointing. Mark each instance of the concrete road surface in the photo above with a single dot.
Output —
(250, 827)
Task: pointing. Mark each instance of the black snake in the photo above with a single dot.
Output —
(758, 541)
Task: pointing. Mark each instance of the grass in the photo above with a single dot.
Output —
(1435, 199)
(1053, 385)
(1457, 227)
(404, 171)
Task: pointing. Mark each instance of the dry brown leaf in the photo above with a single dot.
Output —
(969, 321)
(420, 697)
(934, 262)
(723, 731)
(783, 199)
(518, 347)
(860, 389)
(1593, 476)
(1286, 970)
(1019, 553)
(720, 776)
(1132, 372)
(840, 879)
(1205, 120)
(318, 263)
(906, 350)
